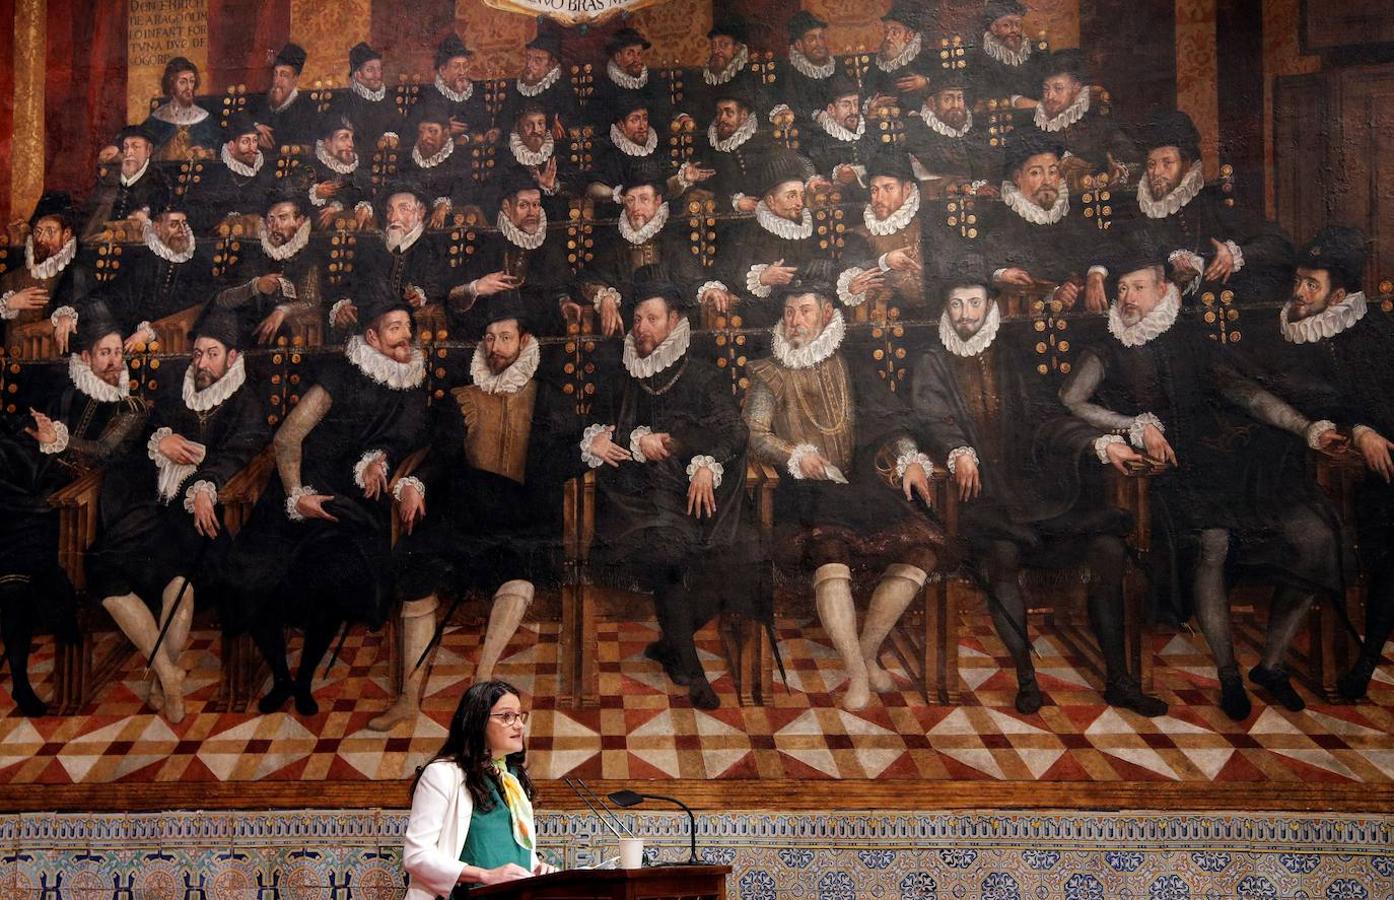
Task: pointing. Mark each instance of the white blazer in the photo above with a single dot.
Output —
(440, 820)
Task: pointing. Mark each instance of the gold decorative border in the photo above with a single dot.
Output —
(27, 144)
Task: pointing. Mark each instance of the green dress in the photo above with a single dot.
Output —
(490, 842)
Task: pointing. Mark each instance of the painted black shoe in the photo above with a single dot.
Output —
(1233, 698)
(30, 706)
(1354, 684)
(1128, 694)
(305, 703)
(275, 699)
(1028, 696)
(701, 694)
(1276, 682)
(659, 653)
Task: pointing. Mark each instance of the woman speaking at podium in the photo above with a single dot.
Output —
(471, 806)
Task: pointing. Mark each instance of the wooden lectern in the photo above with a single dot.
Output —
(654, 883)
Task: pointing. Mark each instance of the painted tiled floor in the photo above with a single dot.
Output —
(645, 728)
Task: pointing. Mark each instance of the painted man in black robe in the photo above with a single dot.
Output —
(535, 152)
(130, 185)
(88, 422)
(670, 445)
(434, 166)
(234, 184)
(982, 407)
(453, 90)
(502, 447)
(899, 72)
(409, 261)
(841, 142)
(52, 283)
(885, 253)
(1005, 64)
(280, 279)
(851, 481)
(377, 122)
(729, 161)
(801, 79)
(340, 183)
(727, 69)
(285, 116)
(951, 149)
(1068, 113)
(1159, 383)
(161, 534)
(627, 79)
(633, 143)
(316, 551)
(544, 81)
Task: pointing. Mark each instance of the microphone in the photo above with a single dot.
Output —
(627, 799)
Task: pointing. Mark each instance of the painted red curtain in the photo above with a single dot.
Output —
(7, 92)
(85, 88)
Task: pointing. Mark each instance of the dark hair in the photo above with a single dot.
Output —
(466, 746)
(529, 108)
(172, 70)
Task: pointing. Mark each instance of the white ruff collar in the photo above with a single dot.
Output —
(201, 401)
(54, 265)
(180, 115)
(1067, 116)
(371, 96)
(782, 227)
(628, 147)
(737, 138)
(453, 95)
(806, 66)
(975, 344)
(430, 162)
(240, 168)
(896, 220)
(838, 131)
(528, 157)
(999, 51)
(512, 379)
(384, 369)
(650, 228)
(935, 124)
(902, 58)
(520, 238)
(815, 351)
(543, 84)
(1019, 204)
(403, 244)
(140, 173)
(1326, 324)
(86, 381)
(663, 356)
(624, 79)
(162, 250)
(1184, 193)
(1154, 323)
(291, 247)
(333, 163)
(732, 68)
(290, 98)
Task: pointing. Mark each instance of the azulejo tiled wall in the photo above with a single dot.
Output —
(983, 856)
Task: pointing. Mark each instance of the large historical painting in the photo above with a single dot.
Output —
(966, 403)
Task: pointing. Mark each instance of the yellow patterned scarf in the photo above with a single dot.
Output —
(519, 807)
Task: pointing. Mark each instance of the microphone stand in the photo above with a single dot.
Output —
(626, 799)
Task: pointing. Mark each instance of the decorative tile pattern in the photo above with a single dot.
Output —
(257, 856)
(645, 727)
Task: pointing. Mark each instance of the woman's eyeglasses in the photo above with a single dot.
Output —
(510, 718)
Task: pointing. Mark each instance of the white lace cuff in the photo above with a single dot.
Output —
(844, 288)
(1140, 423)
(606, 293)
(1193, 260)
(705, 462)
(952, 462)
(416, 291)
(443, 201)
(997, 274)
(910, 458)
(147, 331)
(366, 460)
(199, 487)
(634, 436)
(402, 484)
(683, 183)
(1101, 444)
(362, 205)
(152, 446)
(1237, 253)
(710, 286)
(796, 457)
(617, 194)
(390, 134)
(736, 199)
(881, 262)
(587, 438)
(5, 311)
(291, 512)
(978, 185)
(59, 442)
(752, 281)
(1098, 270)
(336, 309)
(316, 200)
(779, 110)
(1359, 430)
(1316, 430)
(62, 312)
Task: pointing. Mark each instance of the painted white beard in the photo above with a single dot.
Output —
(215, 394)
(453, 95)
(628, 147)
(815, 351)
(737, 138)
(512, 379)
(782, 227)
(1190, 187)
(649, 229)
(528, 157)
(901, 59)
(383, 369)
(285, 104)
(402, 241)
(140, 173)
(520, 238)
(88, 383)
(1326, 324)
(1067, 116)
(664, 355)
(163, 250)
(543, 84)
(732, 68)
(291, 247)
(1155, 323)
(973, 346)
(1004, 54)
(1025, 207)
(54, 265)
(896, 220)
(807, 68)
